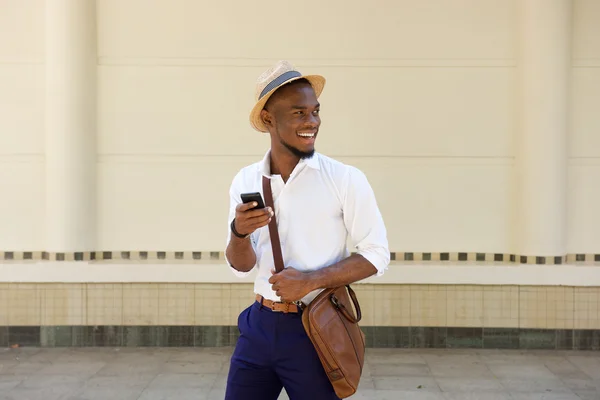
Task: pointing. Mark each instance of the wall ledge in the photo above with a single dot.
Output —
(433, 273)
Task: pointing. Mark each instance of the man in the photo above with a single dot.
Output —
(319, 204)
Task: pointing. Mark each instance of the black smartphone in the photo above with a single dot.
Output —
(250, 197)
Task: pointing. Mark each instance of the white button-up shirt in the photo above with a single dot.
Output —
(324, 207)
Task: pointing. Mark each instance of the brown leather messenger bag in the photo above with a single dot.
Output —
(329, 322)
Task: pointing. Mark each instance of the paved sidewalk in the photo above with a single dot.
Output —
(390, 374)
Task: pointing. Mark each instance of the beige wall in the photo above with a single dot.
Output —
(21, 124)
(420, 96)
(584, 144)
(420, 117)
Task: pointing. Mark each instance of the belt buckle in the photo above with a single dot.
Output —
(286, 305)
(275, 309)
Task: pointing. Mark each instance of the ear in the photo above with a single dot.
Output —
(266, 117)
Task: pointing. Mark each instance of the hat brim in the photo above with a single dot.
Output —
(316, 81)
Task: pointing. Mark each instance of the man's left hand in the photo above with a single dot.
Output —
(290, 284)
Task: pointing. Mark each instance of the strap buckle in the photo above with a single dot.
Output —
(300, 305)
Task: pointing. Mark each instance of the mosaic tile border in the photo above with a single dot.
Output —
(198, 256)
(376, 337)
(112, 255)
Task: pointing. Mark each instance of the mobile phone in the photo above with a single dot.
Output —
(250, 197)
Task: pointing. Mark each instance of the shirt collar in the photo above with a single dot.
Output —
(265, 165)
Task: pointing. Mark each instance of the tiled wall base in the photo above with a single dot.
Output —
(467, 307)
(218, 336)
(440, 316)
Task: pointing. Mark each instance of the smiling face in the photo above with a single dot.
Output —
(292, 117)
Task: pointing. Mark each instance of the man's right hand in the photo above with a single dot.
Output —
(248, 220)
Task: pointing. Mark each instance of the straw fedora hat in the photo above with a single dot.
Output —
(272, 79)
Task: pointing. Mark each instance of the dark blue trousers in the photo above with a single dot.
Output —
(273, 352)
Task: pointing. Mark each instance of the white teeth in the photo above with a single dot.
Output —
(306, 134)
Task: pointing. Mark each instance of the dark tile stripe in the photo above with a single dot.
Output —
(500, 338)
(219, 255)
(387, 336)
(376, 336)
(588, 339)
(215, 336)
(464, 338)
(103, 336)
(537, 339)
(428, 337)
(565, 339)
(24, 335)
(62, 336)
(4, 337)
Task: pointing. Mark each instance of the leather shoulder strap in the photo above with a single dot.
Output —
(273, 232)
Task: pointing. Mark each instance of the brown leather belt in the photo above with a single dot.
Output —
(277, 306)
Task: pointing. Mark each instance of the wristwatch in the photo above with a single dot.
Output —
(236, 233)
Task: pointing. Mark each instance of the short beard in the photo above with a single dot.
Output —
(299, 153)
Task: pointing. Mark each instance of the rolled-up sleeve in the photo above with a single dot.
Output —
(364, 221)
(235, 191)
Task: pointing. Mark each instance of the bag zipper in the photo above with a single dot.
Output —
(353, 344)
